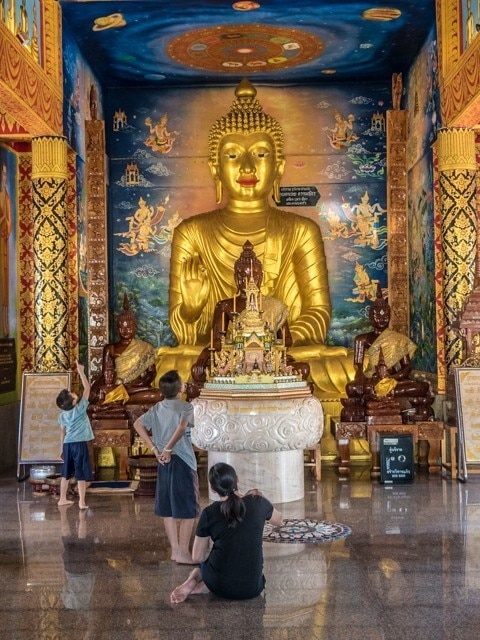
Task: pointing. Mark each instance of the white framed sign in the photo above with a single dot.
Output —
(39, 434)
(467, 385)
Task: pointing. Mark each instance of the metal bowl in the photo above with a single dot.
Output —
(40, 472)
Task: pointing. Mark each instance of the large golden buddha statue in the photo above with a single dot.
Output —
(246, 161)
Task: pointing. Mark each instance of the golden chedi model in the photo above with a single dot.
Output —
(251, 356)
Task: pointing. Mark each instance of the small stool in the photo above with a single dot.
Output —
(146, 473)
(314, 460)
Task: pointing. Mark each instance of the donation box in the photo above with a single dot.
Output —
(396, 458)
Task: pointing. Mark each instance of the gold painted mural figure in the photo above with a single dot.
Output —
(160, 139)
(246, 161)
(365, 288)
(364, 217)
(342, 134)
(142, 227)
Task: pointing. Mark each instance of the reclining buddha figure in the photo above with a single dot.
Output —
(234, 310)
(246, 161)
(396, 350)
(128, 369)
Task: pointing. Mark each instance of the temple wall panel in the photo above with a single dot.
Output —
(27, 93)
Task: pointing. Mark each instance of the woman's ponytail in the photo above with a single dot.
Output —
(223, 480)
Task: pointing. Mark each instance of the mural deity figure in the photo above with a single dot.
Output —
(160, 139)
(246, 161)
(342, 134)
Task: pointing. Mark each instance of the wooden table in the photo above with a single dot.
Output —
(113, 433)
(430, 432)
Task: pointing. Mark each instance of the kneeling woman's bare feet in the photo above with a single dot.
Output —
(192, 585)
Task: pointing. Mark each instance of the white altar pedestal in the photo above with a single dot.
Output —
(278, 474)
(262, 435)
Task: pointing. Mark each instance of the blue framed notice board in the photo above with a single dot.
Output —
(396, 458)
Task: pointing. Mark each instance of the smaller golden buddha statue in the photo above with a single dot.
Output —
(381, 404)
(397, 351)
(128, 368)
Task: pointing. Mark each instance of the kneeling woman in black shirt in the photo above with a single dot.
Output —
(233, 568)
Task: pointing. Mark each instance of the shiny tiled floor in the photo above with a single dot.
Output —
(410, 569)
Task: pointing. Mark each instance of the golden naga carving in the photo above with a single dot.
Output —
(247, 162)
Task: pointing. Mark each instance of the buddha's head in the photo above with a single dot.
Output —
(247, 266)
(246, 149)
(126, 322)
(380, 311)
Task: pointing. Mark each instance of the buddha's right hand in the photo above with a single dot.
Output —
(194, 287)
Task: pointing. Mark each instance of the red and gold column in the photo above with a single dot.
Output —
(50, 243)
(457, 176)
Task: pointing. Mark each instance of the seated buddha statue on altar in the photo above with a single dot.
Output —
(381, 405)
(236, 312)
(128, 370)
(247, 162)
(397, 351)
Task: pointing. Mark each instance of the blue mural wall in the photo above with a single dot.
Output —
(8, 262)
(334, 143)
(77, 81)
(423, 104)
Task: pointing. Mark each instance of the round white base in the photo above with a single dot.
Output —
(278, 474)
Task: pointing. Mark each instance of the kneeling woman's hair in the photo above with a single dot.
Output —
(223, 480)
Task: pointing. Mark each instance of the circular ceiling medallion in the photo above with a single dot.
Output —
(244, 48)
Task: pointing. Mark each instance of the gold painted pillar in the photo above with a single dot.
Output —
(397, 204)
(97, 265)
(50, 243)
(457, 176)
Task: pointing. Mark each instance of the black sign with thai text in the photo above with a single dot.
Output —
(303, 196)
(8, 365)
(396, 458)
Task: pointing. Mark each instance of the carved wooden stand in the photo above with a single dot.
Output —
(113, 433)
(431, 432)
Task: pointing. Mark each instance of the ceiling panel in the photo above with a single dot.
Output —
(146, 43)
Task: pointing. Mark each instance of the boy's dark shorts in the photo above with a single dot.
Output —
(177, 494)
(76, 461)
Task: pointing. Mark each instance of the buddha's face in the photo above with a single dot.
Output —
(242, 276)
(109, 376)
(380, 317)
(247, 165)
(126, 328)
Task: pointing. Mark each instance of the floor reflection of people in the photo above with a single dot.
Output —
(247, 162)
(78, 560)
